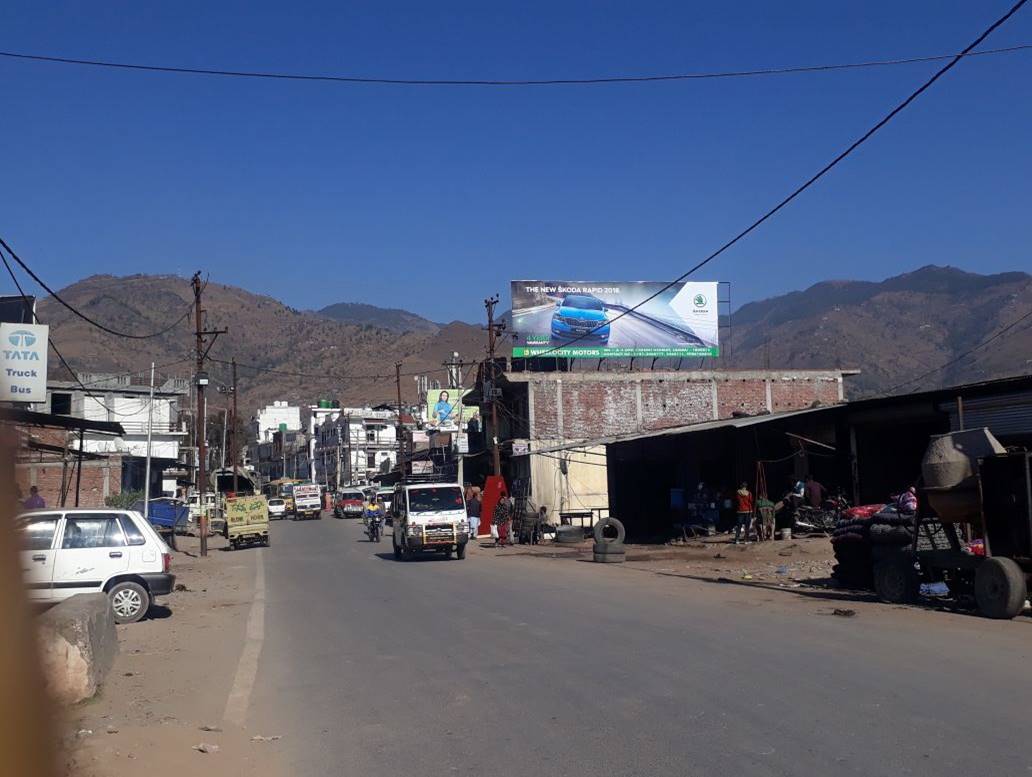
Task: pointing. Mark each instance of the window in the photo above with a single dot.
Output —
(38, 533)
(370, 435)
(432, 499)
(60, 404)
(92, 530)
(133, 534)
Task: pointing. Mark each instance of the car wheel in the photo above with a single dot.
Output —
(129, 601)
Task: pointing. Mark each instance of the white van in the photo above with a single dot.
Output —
(85, 550)
(429, 517)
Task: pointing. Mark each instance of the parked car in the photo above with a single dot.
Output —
(86, 550)
(277, 509)
(577, 315)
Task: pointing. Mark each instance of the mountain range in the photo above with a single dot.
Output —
(892, 331)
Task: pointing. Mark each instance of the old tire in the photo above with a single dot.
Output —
(609, 558)
(599, 531)
(129, 601)
(1000, 589)
(460, 551)
(895, 579)
(569, 534)
(609, 548)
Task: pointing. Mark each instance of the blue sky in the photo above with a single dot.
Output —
(433, 198)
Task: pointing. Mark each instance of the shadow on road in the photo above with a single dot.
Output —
(429, 556)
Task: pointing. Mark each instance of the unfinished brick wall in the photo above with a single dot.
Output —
(100, 477)
(574, 406)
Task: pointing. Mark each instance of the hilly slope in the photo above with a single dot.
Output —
(392, 319)
(262, 332)
(894, 330)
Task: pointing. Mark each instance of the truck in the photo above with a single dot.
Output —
(429, 517)
(968, 478)
(307, 501)
(247, 521)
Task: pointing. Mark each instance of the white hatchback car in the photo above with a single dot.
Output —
(277, 509)
(86, 550)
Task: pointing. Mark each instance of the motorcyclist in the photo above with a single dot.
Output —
(373, 514)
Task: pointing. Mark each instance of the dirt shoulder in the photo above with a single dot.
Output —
(172, 677)
(790, 563)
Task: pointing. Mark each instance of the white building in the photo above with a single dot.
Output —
(279, 416)
(354, 444)
(116, 398)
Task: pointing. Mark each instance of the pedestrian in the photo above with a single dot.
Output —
(815, 492)
(473, 511)
(501, 519)
(35, 501)
(744, 511)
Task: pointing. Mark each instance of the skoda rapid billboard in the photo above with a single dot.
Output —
(592, 320)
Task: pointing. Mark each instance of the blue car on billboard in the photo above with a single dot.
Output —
(580, 314)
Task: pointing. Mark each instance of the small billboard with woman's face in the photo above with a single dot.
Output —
(444, 408)
(582, 319)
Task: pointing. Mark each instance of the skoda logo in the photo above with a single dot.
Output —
(699, 300)
(21, 339)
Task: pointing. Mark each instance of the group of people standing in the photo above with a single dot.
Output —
(501, 517)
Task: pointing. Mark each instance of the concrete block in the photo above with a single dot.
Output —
(78, 644)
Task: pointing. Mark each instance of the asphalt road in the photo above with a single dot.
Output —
(626, 332)
(530, 666)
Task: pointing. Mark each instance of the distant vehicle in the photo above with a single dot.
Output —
(307, 501)
(277, 509)
(86, 550)
(577, 315)
(350, 504)
(247, 521)
(429, 517)
(385, 495)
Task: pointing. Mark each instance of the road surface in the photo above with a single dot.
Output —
(531, 666)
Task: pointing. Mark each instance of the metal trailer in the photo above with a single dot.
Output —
(999, 580)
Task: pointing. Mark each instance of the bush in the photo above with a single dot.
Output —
(124, 500)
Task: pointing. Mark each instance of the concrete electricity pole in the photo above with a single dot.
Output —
(232, 435)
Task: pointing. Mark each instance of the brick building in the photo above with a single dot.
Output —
(48, 458)
(549, 411)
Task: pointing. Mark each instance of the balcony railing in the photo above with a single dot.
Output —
(140, 427)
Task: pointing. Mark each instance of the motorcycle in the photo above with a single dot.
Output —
(374, 527)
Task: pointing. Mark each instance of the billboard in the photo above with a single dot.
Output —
(444, 409)
(23, 362)
(593, 320)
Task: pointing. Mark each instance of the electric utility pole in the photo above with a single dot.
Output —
(397, 380)
(200, 421)
(492, 333)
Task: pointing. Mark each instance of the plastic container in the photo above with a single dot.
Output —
(786, 533)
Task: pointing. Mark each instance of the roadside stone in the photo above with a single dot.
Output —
(210, 728)
(260, 738)
(205, 747)
(112, 730)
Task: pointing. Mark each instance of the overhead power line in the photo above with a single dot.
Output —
(810, 181)
(596, 80)
(83, 316)
(324, 375)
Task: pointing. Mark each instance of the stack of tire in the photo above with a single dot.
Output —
(865, 539)
(609, 542)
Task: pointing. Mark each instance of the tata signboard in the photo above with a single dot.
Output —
(23, 362)
(592, 320)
